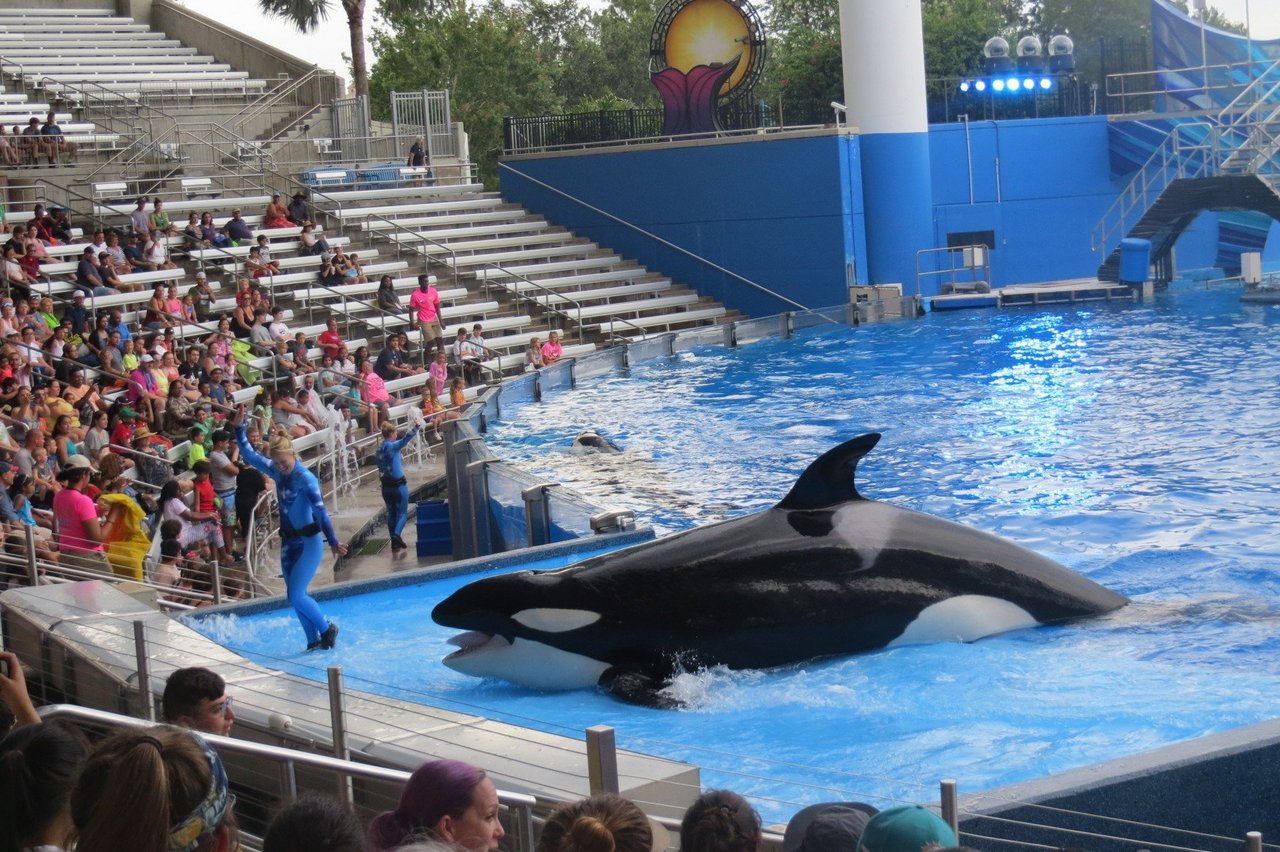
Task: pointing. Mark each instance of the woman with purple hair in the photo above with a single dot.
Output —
(445, 800)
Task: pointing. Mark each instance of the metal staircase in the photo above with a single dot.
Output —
(1231, 163)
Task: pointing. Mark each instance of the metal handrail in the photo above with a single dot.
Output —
(1154, 177)
(613, 319)
(1255, 83)
(547, 307)
(288, 759)
(288, 86)
(398, 230)
(785, 300)
(39, 570)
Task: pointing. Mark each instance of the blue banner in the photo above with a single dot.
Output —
(1183, 49)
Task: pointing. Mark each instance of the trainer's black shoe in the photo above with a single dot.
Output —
(329, 638)
(313, 646)
(397, 543)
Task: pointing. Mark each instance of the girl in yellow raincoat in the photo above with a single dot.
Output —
(127, 542)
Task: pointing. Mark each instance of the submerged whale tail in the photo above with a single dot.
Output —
(830, 479)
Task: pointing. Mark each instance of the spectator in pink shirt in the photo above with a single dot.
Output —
(80, 533)
(426, 302)
(439, 369)
(374, 393)
(552, 351)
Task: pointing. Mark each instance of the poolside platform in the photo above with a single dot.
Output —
(1067, 292)
(81, 637)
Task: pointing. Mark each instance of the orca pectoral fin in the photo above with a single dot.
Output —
(638, 688)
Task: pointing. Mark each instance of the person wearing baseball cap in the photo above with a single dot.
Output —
(828, 827)
(907, 828)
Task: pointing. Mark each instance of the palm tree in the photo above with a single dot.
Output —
(306, 15)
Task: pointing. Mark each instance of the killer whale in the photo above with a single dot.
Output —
(823, 573)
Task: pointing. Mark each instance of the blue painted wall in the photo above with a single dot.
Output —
(1040, 185)
(785, 212)
(1197, 248)
(898, 199)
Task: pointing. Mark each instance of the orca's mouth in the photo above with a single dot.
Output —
(474, 641)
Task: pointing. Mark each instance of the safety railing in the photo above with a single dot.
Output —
(35, 571)
(1200, 87)
(1190, 150)
(293, 764)
(545, 302)
(603, 128)
(966, 269)
(286, 105)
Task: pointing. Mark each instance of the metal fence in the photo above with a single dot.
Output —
(425, 114)
(522, 134)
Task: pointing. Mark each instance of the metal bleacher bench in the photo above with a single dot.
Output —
(115, 189)
(198, 187)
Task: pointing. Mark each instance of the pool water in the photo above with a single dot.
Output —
(1136, 444)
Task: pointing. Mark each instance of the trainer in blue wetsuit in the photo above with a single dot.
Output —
(302, 521)
(395, 489)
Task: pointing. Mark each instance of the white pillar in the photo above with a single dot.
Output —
(882, 44)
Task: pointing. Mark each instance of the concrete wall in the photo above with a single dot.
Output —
(224, 42)
(1040, 185)
(1223, 784)
(783, 211)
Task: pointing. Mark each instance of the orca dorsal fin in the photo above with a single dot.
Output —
(830, 479)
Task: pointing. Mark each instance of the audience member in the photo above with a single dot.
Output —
(299, 208)
(828, 827)
(275, 216)
(196, 698)
(160, 224)
(444, 800)
(156, 789)
(388, 300)
(425, 301)
(391, 363)
(314, 824)
(237, 230)
(552, 351)
(906, 828)
(13, 692)
(57, 140)
(139, 219)
(602, 823)
(39, 765)
(720, 821)
(534, 355)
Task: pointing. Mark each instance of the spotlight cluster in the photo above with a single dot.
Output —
(1031, 73)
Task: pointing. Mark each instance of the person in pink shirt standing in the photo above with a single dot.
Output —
(426, 301)
(80, 533)
(439, 370)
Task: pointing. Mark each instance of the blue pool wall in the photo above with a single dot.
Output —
(789, 211)
(784, 211)
(1222, 784)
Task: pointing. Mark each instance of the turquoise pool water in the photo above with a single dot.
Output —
(1135, 444)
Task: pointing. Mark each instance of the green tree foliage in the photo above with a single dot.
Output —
(956, 30)
(487, 57)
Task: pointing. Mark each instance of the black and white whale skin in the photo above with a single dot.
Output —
(823, 573)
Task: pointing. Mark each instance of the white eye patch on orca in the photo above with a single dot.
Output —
(551, 620)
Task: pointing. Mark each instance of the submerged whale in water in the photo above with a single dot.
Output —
(823, 573)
